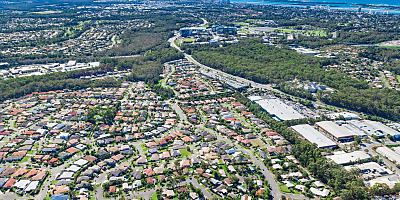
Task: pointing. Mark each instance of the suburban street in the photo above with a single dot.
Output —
(276, 193)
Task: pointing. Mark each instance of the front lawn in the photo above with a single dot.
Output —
(185, 152)
(154, 196)
(284, 189)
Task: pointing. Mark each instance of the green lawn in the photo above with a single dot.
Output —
(189, 40)
(252, 20)
(154, 196)
(185, 153)
(284, 189)
(391, 47)
(321, 33)
(241, 23)
(257, 142)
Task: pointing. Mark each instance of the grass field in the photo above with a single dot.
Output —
(252, 20)
(321, 33)
(154, 196)
(189, 40)
(284, 189)
(241, 23)
(257, 142)
(185, 153)
(47, 12)
(391, 47)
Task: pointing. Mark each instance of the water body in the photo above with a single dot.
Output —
(373, 6)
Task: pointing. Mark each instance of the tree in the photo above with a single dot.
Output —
(380, 189)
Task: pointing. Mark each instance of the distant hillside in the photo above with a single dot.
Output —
(30, 4)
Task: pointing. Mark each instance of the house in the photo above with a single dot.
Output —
(137, 184)
(136, 175)
(112, 189)
(9, 183)
(168, 193)
(185, 163)
(141, 161)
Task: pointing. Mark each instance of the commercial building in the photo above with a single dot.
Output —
(278, 109)
(219, 29)
(337, 130)
(191, 31)
(313, 136)
(343, 158)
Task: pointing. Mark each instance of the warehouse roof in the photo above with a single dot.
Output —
(346, 158)
(335, 130)
(374, 128)
(278, 108)
(313, 136)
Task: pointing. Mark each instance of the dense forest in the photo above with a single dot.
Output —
(17, 87)
(268, 64)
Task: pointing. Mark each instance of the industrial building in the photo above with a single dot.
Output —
(374, 128)
(370, 170)
(313, 136)
(339, 131)
(389, 154)
(278, 109)
(345, 115)
(343, 158)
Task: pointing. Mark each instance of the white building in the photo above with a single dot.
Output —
(313, 136)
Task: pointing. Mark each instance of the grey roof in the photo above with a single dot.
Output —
(278, 108)
(313, 136)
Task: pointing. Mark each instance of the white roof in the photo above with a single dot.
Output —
(22, 183)
(346, 115)
(335, 130)
(73, 168)
(374, 128)
(370, 166)
(80, 162)
(396, 149)
(51, 125)
(382, 127)
(322, 193)
(390, 154)
(281, 110)
(388, 180)
(32, 186)
(66, 175)
(346, 158)
(313, 136)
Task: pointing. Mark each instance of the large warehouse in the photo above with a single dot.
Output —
(374, 128)
(278, 109)
(313, 136)
(340, 132)
(389, 154)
